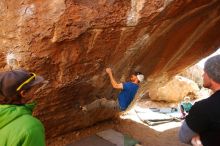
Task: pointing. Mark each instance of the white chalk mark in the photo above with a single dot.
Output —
(133, 14)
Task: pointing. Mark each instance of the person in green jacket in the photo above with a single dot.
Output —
(17, 125)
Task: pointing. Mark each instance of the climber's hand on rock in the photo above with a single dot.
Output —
(108, 70)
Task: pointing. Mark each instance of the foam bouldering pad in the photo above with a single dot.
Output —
(112, 136)
(154, 117)
(117, 138)
(93, 140)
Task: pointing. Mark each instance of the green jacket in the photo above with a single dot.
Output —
(19, 128)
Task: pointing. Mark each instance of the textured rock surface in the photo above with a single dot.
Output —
(175, 90)
(70, 42)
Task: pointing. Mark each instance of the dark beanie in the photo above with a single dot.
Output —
(212, 68)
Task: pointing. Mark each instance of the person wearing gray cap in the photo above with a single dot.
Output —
(17, 125)
(202, 124)
(125, 97)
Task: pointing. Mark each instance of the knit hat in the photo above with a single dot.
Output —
(212, 68)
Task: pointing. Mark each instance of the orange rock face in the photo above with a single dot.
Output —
(71, 42)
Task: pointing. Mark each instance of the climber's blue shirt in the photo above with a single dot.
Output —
(127, 95)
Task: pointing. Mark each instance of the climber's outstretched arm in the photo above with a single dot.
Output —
(113, 82)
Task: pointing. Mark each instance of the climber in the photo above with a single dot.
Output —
(125, 97)
(17, 125)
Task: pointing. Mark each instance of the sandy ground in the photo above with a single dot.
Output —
(160, 135)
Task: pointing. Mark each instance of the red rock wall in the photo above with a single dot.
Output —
(71, 42)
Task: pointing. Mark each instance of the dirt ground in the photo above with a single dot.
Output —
(79, 134)
(160, 135)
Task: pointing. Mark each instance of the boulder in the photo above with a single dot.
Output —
(175, 90)
(71, 42)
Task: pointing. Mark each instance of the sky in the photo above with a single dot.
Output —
(201, 62)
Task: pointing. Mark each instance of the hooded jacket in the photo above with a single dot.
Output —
(19, 128)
